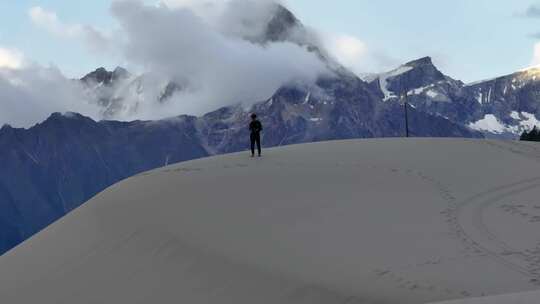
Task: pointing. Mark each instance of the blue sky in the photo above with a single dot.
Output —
(469, 40)
(17, 31)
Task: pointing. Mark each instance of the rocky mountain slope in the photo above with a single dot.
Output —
(52, 168)
(502, 107)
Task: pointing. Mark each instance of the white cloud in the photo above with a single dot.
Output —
(533, 11)
(536, 55)
(239, 18)
(355, 54)
(30, 94)
(199, 6)
(11, 58)
(348, 50)
(49, 21)
(205, 47)
(216, 64)
(231, 16)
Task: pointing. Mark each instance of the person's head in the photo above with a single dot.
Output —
(253, 116)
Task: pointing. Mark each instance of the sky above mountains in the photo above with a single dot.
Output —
(469, 40)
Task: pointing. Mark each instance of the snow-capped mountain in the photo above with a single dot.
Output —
(102, 77)
(511, 103)
(334, 108)
(121, 94)
(417, 77)
(502, 107)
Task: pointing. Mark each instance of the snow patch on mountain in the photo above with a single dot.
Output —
(432, 93)
(491, 124)
(515, 115)
(420, 90)
(383, 80)
(308, 96)
(480, 98)
(530, 121)
(368, 77)
(471, 84)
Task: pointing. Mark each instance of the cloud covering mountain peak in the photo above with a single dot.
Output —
(219, 52)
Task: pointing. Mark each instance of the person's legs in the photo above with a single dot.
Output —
(252, 138)
(259, 144)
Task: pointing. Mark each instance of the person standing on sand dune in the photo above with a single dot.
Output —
(255, 128)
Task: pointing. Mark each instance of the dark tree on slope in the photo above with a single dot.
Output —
(524, 136)
(533, 135)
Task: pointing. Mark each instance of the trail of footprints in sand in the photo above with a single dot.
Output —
(195, 169)
(532, 216)
(531, 256)
(400, 280)
(526, 151)
(472, 249)
(450, 199)
(403, 282)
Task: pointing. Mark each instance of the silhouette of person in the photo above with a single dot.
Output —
(255, 128)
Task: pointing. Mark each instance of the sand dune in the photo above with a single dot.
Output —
(368, 221)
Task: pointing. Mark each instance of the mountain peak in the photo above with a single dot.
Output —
(415, 74)
(6, 127)
(103, 76)
(120, 72)
(281, 23)
(67, 116)
(420, 62)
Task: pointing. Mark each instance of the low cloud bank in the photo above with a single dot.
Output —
(30, 94)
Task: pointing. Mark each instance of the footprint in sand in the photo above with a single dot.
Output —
(380, 272)
(188, 170)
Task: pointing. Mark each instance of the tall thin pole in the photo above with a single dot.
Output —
(405, 106)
